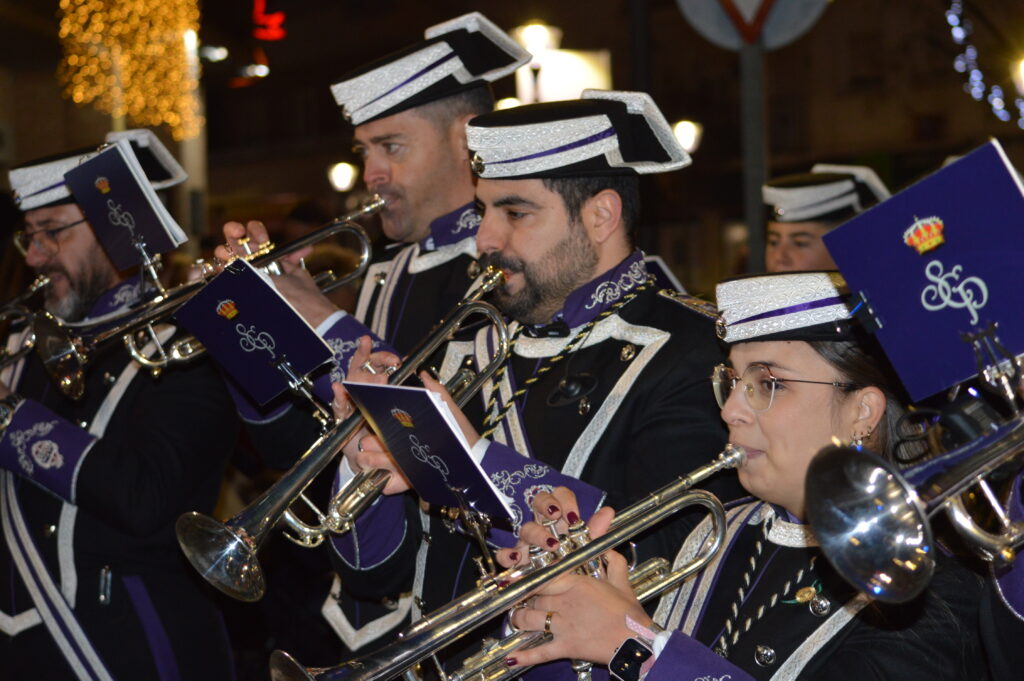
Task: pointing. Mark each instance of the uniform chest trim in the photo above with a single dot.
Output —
(427, 261)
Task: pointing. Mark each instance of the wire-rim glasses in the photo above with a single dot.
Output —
(759, 385)
(44, 239)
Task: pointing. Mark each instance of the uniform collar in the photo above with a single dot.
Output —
(116, 299)
(597, 295)
(448, 229)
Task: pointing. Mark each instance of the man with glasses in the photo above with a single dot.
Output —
(95, 586)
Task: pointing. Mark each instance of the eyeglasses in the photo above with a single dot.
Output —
(759, 385)
(45, 240)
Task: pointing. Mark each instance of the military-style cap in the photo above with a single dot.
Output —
(40, 183)
(605, 132)
(807, 306)
(457, 55)
(829, 193)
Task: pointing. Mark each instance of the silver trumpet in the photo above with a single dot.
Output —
(65, 347)
(874, 522)
(225, 554)
(498, 593)
(14, 310)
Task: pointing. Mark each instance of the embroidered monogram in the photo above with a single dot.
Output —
(506, 482)
(47, 454)
(341, 348)
(21, 438)
(469, 219)
(127, 295)
(610, 291)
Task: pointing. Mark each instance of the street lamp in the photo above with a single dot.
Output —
(342, 176)
(688, 133)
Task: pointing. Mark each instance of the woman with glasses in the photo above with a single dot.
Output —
(800, 375)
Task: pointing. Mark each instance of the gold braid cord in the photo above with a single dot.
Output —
(493, 421)
(135, 59)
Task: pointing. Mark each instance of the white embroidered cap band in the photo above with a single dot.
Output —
(604, 132)
(41, 183)
(827, 193)
(790, 305)
(456, 55)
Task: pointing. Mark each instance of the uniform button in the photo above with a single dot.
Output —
(49, 531)
(421, 605)
(628, 352)
(584, 406)
(764, 656)
(427, 538)
(380, 278)
(820, 606)
(109, 378)
(83, 424)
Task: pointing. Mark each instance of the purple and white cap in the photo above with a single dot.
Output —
(783, 306)
(456, 55)
(605, 132)
(829, 193)
(40, 183)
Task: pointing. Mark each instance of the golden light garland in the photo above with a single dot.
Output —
(129, 58)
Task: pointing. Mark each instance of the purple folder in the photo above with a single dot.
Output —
(422, 436)
(939, 260)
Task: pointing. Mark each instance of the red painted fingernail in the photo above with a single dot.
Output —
(511, 661)
(572, 517)
(514, 556)
(552, 509)
(552, 542)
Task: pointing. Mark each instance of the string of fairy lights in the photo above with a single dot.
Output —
(133, 59)
(966, 62)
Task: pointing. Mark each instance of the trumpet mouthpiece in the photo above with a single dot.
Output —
(734, 455)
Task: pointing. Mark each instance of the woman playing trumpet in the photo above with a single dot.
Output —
(769, 606)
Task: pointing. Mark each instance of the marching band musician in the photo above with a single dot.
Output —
(770, 606)
(806, 206)
(95, 586)
(605, 390)
(409, 111)
(1002, 608)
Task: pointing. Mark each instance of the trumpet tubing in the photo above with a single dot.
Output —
(874, 522)
(497, 594)
(225, 554)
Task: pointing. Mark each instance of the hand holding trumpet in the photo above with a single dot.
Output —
(585, 617)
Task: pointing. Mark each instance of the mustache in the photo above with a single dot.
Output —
(388, 191)
(502, 262)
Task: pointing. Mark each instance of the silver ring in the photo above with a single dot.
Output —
(547, 622)
(518, 606)
(366, 366)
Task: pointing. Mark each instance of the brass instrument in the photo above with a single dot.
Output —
(500, 592)
(225, 554)
(14, 310)
(65, 347)
(873, 522)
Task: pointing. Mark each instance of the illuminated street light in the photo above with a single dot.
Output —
(688, 133)
(343, 176)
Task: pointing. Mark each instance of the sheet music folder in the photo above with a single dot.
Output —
(248, 327)
(121, 205)
(422, 435)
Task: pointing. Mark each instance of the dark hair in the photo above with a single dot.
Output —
(476, 101)
(861, 363)
(575, 191)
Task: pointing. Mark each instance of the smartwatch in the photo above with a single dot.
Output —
(628, 659)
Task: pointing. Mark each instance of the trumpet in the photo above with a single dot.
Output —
(225, 554)
(14, 310)
(65, 347)
(874, 522)
(498, 593)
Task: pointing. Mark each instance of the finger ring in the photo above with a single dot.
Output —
(547, 622)
(518, 606)
(366, 366)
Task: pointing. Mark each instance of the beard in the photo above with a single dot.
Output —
(83, 291)
(548, 282)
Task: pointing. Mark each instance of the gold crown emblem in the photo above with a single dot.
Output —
(227, 309)
(925, 234)
(402, 417)
(103, 184)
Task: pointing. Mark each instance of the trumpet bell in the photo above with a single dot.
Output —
(284, 667)
(226, 558)
(871, 524)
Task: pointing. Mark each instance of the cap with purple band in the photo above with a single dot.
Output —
(783, 306)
